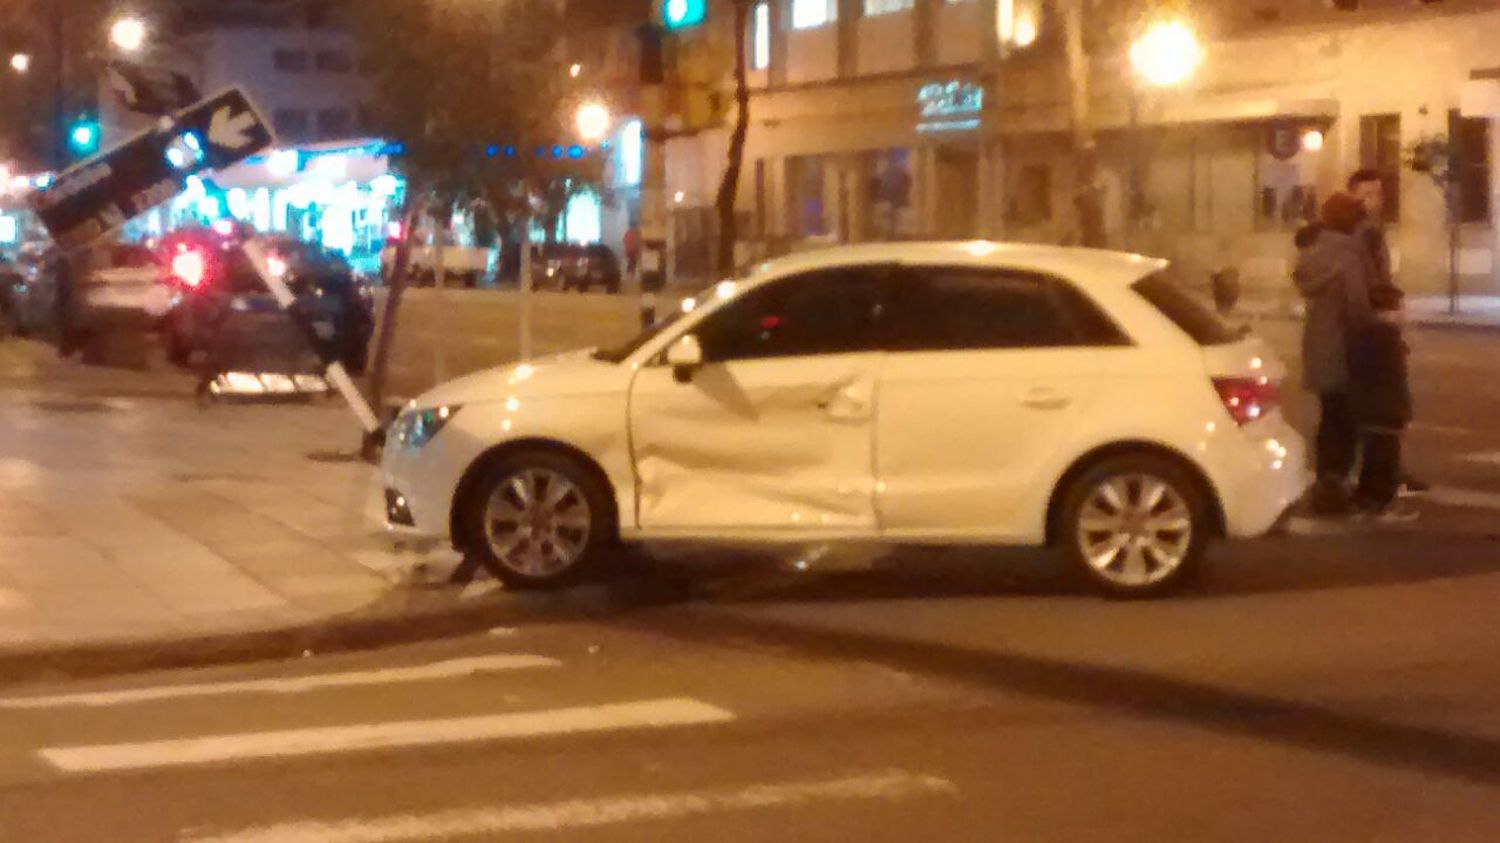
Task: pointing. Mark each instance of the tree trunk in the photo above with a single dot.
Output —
(395, 285)
(729, 187)
(1088, 197)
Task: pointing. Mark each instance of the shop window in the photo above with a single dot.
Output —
(890, 195)
(334, 123)
(291, 122)
(334, 61)
(1285, 171)
(1030, 198)
(807, 14)
(760, 36)
(806, 187)
(885, 7)
(1470, 137)
(1380, 150)
(290, 61)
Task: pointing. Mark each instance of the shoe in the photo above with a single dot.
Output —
(1411, 487)
(1329, 499)
(1391, 513)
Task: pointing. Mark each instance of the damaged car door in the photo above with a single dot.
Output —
(760, 420)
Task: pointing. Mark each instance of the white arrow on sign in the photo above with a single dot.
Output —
(229, 130)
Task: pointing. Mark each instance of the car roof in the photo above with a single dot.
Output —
(1080, 265)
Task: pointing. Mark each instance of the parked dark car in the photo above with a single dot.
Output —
(225, 318)
(569, 266)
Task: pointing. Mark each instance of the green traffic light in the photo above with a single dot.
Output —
(84, 136)
(681, 14)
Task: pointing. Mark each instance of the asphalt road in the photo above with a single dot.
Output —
(1338, 684)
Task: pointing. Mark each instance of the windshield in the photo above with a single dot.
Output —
(618, 354)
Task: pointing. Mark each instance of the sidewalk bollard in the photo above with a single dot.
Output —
(648, 310)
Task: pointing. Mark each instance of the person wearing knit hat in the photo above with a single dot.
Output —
(1336, 276)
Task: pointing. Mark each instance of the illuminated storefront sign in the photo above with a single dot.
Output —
(952, 106)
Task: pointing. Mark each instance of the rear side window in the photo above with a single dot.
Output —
(941, 308)
(1188, 312)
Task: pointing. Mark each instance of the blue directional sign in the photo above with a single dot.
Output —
(97, 196)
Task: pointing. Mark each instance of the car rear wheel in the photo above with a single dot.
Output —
(539, 520)
(1135, 526)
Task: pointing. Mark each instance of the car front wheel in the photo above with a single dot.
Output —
(539, 520)
(1135, 526)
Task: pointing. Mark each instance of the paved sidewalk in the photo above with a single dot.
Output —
(128, 513)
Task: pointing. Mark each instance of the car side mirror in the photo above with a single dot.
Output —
(685, 357)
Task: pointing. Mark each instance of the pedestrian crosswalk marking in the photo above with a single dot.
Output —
(578, 814)
(450, 669)
(649, 714)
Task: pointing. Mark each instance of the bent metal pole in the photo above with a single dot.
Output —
(334, 371)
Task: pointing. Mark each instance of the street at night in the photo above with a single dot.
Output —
(1341, 685)
(749, 420)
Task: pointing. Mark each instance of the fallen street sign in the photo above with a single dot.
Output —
(97, 196)
(230, 126)
(158, 92)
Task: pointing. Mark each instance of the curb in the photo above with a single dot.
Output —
(342, 634)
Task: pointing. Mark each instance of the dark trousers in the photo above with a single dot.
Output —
(1337, 444)
(1380, 469)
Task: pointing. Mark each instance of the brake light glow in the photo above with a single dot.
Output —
(1248, 399)
(190, 268)
(394, 232)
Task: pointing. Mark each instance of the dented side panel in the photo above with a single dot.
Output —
(757, 444)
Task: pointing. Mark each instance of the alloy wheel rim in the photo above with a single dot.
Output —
(537, 523)
(1135, 530)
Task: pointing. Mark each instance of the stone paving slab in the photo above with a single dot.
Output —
(129, 513)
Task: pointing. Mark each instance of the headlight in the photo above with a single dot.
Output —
(416, 428)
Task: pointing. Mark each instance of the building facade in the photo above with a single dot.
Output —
(892, 119)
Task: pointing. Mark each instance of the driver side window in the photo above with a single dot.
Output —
(831, 311)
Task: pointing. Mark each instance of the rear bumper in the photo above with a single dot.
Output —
(1270, 474)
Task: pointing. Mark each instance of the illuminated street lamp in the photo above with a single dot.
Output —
(1167, 55)
(20, 62)
(593, 121)
(128, 34)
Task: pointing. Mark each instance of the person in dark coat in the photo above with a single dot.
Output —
(1382, 404)
(1368, 187)
(1336, 277)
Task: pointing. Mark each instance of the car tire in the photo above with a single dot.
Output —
(1135, 526)
(539, 547)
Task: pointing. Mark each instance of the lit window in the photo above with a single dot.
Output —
(885, 7)
(807, 14)
(760, 36)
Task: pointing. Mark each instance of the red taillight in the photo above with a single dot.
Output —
(395, 232)
(1248, 399)
(190, 267)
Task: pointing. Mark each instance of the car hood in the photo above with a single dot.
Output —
(570, 373)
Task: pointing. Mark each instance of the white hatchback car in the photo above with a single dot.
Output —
(965, 393)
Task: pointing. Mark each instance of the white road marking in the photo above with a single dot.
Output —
(1463, 498)
(578, 814)
(291, 684)
(648, 714)
(1484, 458)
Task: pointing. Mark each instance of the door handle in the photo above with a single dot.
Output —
(1046, 399)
